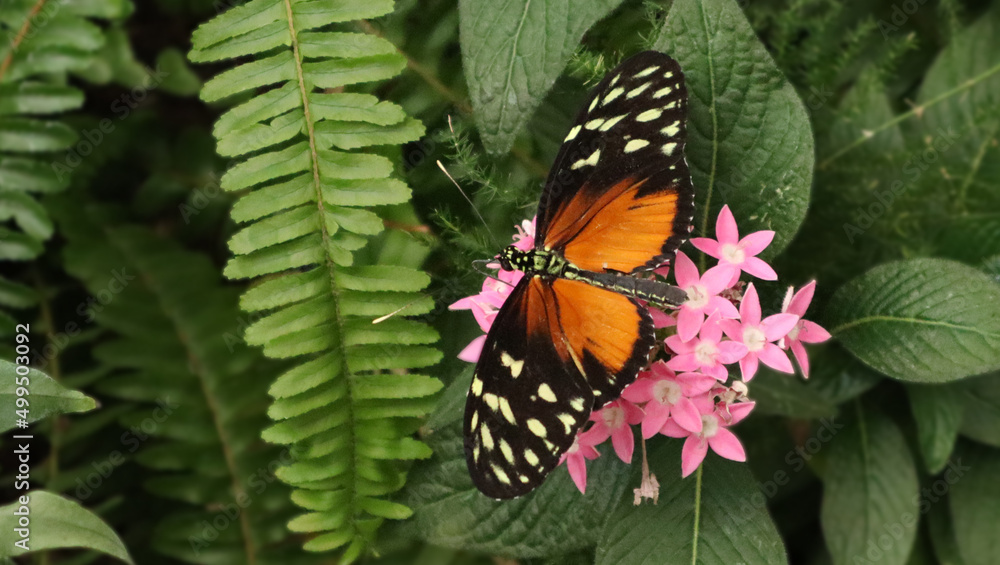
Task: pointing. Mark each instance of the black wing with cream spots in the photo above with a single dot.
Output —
(633, 124)
(525, 404)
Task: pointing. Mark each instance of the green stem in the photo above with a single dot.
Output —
(916, 111)
(697, 515)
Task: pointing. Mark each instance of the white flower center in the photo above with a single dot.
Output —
(614, 417)
(754, 338)
(732, 253)
(667, 392)
(705, 352)
(709, 426)
(794, 334)
(697, 296)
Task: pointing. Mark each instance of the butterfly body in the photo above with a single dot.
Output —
(573, 333)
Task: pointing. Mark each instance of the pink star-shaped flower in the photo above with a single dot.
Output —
(667, 395)
(758, 335)
(707, 353)
(804, 331)
(735, 254)
(703, 296)
(576, 461)
(714, 434)
(614, 421)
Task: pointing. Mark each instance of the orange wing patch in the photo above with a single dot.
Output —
(580, 317)
(619, 230)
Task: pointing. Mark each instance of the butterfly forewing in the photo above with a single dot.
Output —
(620, 187)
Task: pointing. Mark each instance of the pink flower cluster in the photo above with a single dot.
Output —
(685, 394)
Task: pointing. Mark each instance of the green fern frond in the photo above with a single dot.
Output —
(314, 192)
(43, 42)
(195, 388)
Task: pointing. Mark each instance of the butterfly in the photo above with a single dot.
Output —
(572, 334)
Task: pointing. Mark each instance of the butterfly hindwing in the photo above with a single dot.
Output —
(619, 196)
(526, 403)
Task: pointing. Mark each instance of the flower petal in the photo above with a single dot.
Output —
(707, 246)
(775, 358)
(758, 268)
(639, 391)
(801, 357)
(472, 351)
(722, 307)
(748, 366)
(740, 410)
(577, 467)
(750, 307)
(685, 362)
(693, 384)
(687, 416)
(689, 321)
(716, 279)
(692, 454)
(684, 270)
(726, 444)
(678, 345)
(462, 303)
(725, 227)
(754, 243)
(656, 416)
(800, 302)
(624, 443)
(671, 429)
(731, 352)
(661, 319)
(811, 332)
(777, 326)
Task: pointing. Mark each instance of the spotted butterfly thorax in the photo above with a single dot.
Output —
(572, 334)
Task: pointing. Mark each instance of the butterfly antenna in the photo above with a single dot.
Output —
(469, 200)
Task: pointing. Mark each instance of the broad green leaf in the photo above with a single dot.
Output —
(788, 395)
(55, 523)
(750, 143)
(971, 238)
(980, 398)
(974, 494)
(938, 412)
(941, 528)
(512, 54)
(870, 492)
(555, 518)
(920, 320)
(716, 516)
(45, 396)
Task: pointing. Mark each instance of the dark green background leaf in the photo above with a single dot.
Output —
(869, 492)
(730, 526)
(938, 413)
(980, 398)
(513, 52)
(920, 320)
(750, 143)
(974, 494)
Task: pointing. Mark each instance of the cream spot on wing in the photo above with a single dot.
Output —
(592, 160)
(501, 476)
(524, 479)
(635, 145)
(487, 438)
(550, 446)
(672, 130)
(514, 365)
(645, 72)
(577, 404)
(636, 91)
(477, 386)
(671, 105)
(567, 421)
(593, 104)
(545, 391)
(615, 80)
(508, 453)
(537, 428)
(668, 149)
(572, 133)
(531, 458)
(594, 124)
(668, 74)
(475, 453)
(649, 115)
(613, 94)
(663, 92)
(474, 421)
(610, 122)
(492, 401)
(506, 411)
